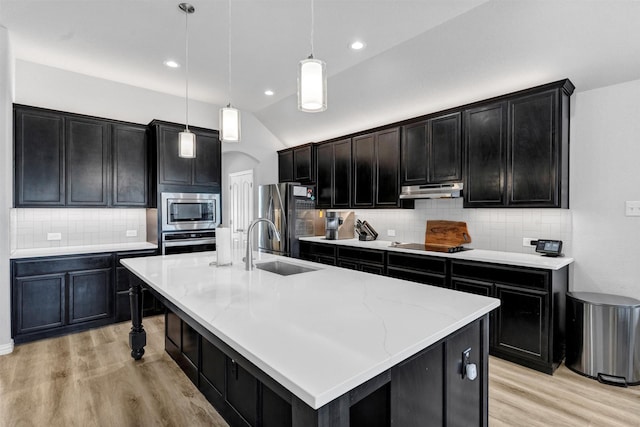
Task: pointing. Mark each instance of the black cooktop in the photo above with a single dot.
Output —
(432, 247)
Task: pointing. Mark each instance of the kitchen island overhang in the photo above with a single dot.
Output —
(318, 335)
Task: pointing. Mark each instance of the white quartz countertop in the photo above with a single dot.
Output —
(482, 255)
(319, 333)
(86, 249)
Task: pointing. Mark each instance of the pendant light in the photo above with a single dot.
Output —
(186, 139)
(312, 80)
(229, 116)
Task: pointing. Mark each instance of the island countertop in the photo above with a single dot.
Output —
(319, 333)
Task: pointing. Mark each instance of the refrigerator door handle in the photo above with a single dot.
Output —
(282, 208)
(270, 218)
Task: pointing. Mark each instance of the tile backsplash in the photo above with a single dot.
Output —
(493, 229)
(77, 227)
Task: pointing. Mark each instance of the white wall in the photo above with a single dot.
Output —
(6, 186)
(605, 151)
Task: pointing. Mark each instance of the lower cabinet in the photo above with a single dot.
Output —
(318, 252)
(417, 268)
(367, 260)
(53, 296)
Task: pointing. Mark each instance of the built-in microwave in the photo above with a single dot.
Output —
(190, 211)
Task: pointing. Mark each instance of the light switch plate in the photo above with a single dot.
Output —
(54, 236)
(632, 208)
(132, 233)
(391, 233)
(526, 241)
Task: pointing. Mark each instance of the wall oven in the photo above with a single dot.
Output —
(189, 211)
(181, 242)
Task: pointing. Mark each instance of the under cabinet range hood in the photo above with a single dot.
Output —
(432, 191)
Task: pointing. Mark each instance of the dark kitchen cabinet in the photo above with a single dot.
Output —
(333, 178)
(39, 157)
(56, 295)
(151, 305)
(182, 343)
(517, 149)
(174, 173)
(432, 151)
(367, 260)
(417, 268)
(376, 169)
(65, 159)
(242, 391)
(130, 167)
(297, 164)
(318, 252)
(529, 324)
(87, 161)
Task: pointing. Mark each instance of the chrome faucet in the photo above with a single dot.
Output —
(248, 260)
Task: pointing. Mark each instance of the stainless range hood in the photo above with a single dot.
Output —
(432, 191)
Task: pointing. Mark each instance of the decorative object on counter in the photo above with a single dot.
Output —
(312, 80)
(187, 139)
(446, 236)
(223, 246)
(365, 231)
(548, 247)
(339, 225)
(229, 116)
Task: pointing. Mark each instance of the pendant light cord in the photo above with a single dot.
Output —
(229, 50)
(312, 25)
(186, 50)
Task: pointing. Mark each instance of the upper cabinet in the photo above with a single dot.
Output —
(64, 159)
(376, 169)
(179, 174)
(333, 169)
(517, 149)
(297, 164)
(432, 151)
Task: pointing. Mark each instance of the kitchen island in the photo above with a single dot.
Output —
(327, 347)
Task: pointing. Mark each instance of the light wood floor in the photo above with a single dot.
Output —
(89, 379)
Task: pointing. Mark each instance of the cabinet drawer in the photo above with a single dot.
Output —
(517, 276)
(418, 276)
(366, 255)
(417, 262)
(39, 266)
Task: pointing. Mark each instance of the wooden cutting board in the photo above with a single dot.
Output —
(450, 233)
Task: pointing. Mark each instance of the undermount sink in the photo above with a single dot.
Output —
(283, 268)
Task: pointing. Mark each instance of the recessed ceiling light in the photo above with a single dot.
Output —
(357, 45)
(171, 63)
(268, 92)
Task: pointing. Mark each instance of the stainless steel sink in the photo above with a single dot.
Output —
(283, 268)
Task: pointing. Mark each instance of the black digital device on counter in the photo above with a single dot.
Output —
(548, 247)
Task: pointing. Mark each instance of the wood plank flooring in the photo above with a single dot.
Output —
(89, 379)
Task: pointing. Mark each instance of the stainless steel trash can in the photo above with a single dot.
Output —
(603, 337)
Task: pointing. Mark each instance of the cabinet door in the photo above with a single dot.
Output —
(285, 166)
(522, 322)
(414, 154)
(242, 391)
(276, 412)
(206, 165)
(417, 390)
(533, 151)
(130, 168)
(387, 176)
(39, 303)
(90, 295)
(363, 170)
(324, 179)
(88, 151)
(485, 139)
(342, 174)
(172, 169)
(445, 149)
(39, 158)
(303, 164)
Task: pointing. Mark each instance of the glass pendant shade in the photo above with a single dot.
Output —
(312, 85)
(229, 124)
(187, 144)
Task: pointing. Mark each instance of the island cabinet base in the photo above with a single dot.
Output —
(428, 388)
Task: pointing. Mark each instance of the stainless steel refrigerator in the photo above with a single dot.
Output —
(292, 208)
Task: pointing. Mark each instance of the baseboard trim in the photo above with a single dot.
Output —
(6, 348)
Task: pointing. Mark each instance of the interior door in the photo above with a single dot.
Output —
(240, 206)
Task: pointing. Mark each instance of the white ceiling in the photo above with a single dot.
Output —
(421, 55)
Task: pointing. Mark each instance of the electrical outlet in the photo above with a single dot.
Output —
(526, 241)
(54, 236)
(391, 233)
(132, 233)
(632, 208)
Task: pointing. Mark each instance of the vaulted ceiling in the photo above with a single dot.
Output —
(421, 56)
